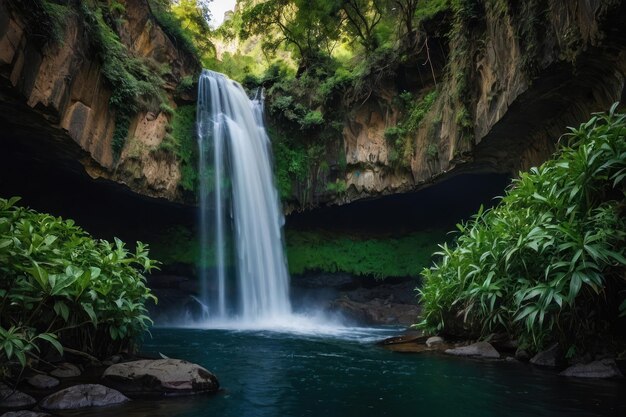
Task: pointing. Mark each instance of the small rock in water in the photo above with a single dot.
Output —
(546, 358)
(480, 349)
(66, 370)
(161, 376)
(522, 355)
(25, 413)
(605, 368)
(12, 400)
(42, 381)
(81, 396)
(434, 341)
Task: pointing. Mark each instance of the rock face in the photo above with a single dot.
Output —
(54, 95)
(480, 350)
(519, 94)
(161, 377)
(81, 396)
(606, 368)
(14, 400)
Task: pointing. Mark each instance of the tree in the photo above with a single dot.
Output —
(309, 27)
(362, 17)
(194, 17)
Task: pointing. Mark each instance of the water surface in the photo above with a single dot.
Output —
(342, 373)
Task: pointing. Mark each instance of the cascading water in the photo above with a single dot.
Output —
(238, 197)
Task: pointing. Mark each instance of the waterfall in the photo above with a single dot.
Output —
(239, 207)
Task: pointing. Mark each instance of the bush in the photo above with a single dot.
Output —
(60, 286)
(548, 262)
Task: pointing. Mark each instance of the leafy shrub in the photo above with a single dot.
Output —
(59, 285)
(546, 263)
(312, 119)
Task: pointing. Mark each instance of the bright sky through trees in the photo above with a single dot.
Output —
(218, 8)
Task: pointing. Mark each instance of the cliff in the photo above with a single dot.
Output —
(97, 87)
(504, 82)
(64, 64)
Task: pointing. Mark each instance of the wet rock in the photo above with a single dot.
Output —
(43, 381)
(605, 368)
(25, 413)
(480, 350)
(522, 355)
(376, 311)
(162, 376)
(66, 370)
(13, 400)
(434, 341)
(81, 396)
(547, 358)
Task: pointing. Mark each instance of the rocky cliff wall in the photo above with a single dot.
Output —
(55, 99)
(515, 79)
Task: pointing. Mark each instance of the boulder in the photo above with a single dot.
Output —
(480, 350)
(14, 400)
(159, 377)
(434, 341)
(522, 355)
(42, 381)
(605, 368)
(25, 413)
(547, 358)
(66, 370)
(81, 396)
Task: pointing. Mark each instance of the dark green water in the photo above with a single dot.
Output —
(286, 374)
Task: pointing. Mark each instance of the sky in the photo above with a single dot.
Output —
(218, 7)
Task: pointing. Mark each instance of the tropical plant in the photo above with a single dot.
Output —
(548, 262)
(59, 287)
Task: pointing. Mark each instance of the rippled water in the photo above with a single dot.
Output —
(340, 372)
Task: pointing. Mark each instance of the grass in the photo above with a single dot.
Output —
(379, 257)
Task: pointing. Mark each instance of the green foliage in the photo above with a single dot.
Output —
(182, 141)
(172, 25)
(379, 257)
(400, 137)
(428, 9)
(546, 263)
(60, 287)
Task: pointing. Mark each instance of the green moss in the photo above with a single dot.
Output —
(183, 137)
(379, 257)
(428, 9)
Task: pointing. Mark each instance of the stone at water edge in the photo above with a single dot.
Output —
(42, 381)
(605, 368)
(546, 358)
(66, 370)
(480, 350)
(25, 413)
(434, 341)
(11, 399)
(81, 396)
(160, 376)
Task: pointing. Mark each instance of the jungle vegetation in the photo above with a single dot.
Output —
(548, 263)
(61, 289)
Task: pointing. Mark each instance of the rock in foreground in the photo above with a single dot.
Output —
(14, 400)
(42, 381)
(606, 368)
(66, 370)
(25, 413)
(479, 350)
(81, 396)
(547, 358)
(161, 377)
